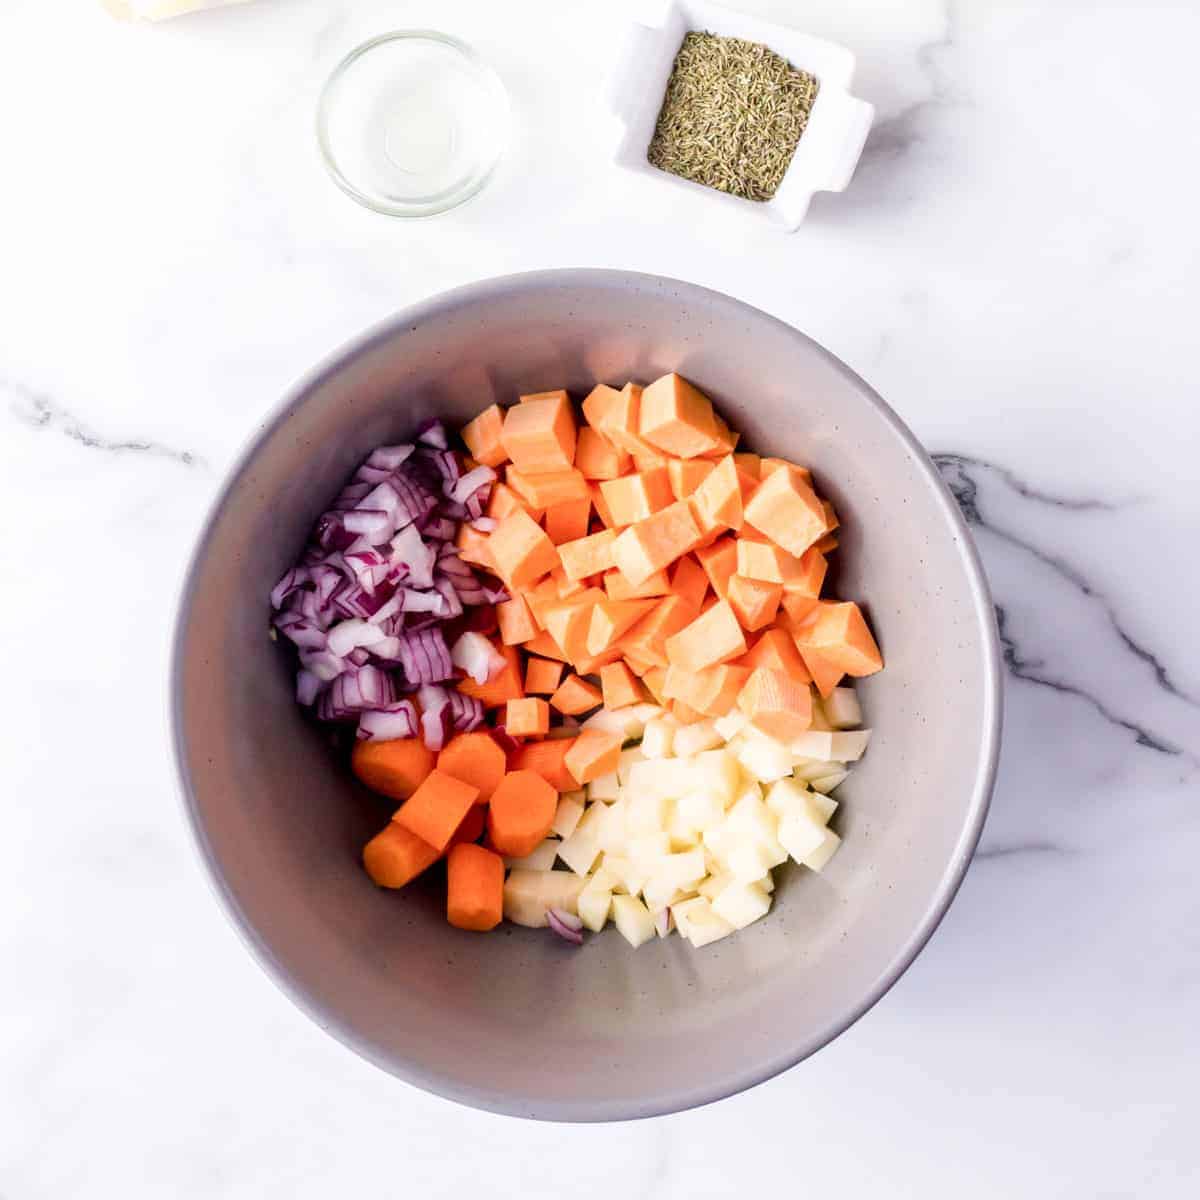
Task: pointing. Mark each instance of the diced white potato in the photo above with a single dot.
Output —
(567, 814)
(669, 778)
(750, 816)
(823, 853)
(801, 833)
(541, 858)
(528, 894)
(716, 771)
(698, 923)
(612, 825)
(646, 849)
(839, 746)
(763, 759)
(784, 795)
(604, 787)
(731, 724)
(684, 870)
(632, 918)
(824, 806)
(582, 848)
(648, 813)
(827, 783)
(692, 739)
(699, 810)
(628, 721)
(684, 835)
(658, 738)
(741, 904)
(819, 720)
(630, 876)
(661, 893)
(594, 904)
(714, 884)
(767, 882)
(629, 756)
(748, 861)
(842, 709)
(807, 769)
(664, 923)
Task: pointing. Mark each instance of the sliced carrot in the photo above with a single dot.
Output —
(471, 827)
(502, 687)
(474, 547)
(635, 497)
(395, 856)
(687, 474)
(575, 696)
(474, 758)
(677, 419)
(611, 618)
(787, 510)
(777, 705)
(655, 680)
(436, 809)
(539, 433)
(482, 437)
(619, 588)
(619, 686)
(542, 675)
(755, 603)
(689, 580)
(515, 620)
(841, 636)
(527, 717)
(597, 457)
(546, 760)
(567, 521)
(776, 648)
(593, 754)
(546, 646)
(393, 768)
(719, 562)
(656, 542)
(521, 812)
(521, 550)
(474, 888)
(542, 489)
(588, 555)
(712, 637)
(718, 500)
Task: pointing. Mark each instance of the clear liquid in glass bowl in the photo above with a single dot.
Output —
(412, 123)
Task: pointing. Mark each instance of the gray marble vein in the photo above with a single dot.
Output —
(41, 413)
(1012, 850)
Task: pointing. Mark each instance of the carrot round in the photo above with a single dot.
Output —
(437, 808)
(521, 813)
(474, 888)
(393, 768)
(471, 827)
(474, 758)
(395, 855)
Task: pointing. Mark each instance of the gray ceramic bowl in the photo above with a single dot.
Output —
(515, 1021)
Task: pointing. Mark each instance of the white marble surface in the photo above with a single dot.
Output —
(1014, 267)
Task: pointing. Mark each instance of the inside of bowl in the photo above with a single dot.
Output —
(516, 1021)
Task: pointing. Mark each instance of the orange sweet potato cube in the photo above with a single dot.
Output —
(719, 561)
(542, 676)
(504, 500)
(619, 588)
(575, 695)
(768, 466)
(515, 620)
(619, 686)
(654, 680)
(474, 547)
(482, 437)
(718, 500)
(567, 521)
(689, 580)
(542, 489)
(749, 464)
(787, 510)
(635, 497)
(776, 649)
(777, 705)
(687, 474)
(521, 550)
(656, 542)
(539, 433)
(588, 555)
(611, 618)
(677, 419)
(646, 641)
(840, 635)
(754, 602)
(597, 457)
(593, 754)
(714, 636)
(615, 415)
(527, 717)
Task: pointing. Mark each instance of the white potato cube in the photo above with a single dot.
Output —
(649, 848)
(820, 721)
(700, 810)
(750, 816)
(826, 783)
(842, 709)
(716, 771)
(540, 858)
(823, 853)
(648, 813)
(632, 918)
(528, 894)
(823, 807)
(839, 746)
(741, 904)
(801, 834)
(749, 861)
(808, 769)
(628, 722)
(629, 756)
(594, 905)
(658, 738)
(767, 882)
(604, 787)
(660, 893)
(731, 724)
(685, 870)
(631, 876)
(698, 923)
(784, 795)
(567, 814)
(715, 884)
(764, 759)
(669, 778)
(579, 852)
(692, 739)
(612, 825)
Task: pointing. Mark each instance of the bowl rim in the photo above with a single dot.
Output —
(666, 1101)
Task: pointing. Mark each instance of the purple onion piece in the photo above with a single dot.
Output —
(433, 433)
(435, 716)
(398, 720)
(555, 919)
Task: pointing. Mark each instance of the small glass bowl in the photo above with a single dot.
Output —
(412, 123)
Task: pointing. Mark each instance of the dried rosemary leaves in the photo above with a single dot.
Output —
(732, 116)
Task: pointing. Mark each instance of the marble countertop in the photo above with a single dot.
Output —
(1014, 267)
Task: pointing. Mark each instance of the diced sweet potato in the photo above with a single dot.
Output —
(656, 542)
(567, 521)
(776, 649)
(542, 676)
(619, 588)
(521, 550)
(677, 419)
(840, 635)
(787, 510)
(611, 618)
(474, 547)
(654, 680)
(619, 686)
(540, 490)
(615, 414)
(482, 437)
(718, 500)
(588, 555)
(593, 754)
(712, 691)
(719, 561)
(687, 474)
(754, 602)
(647, 639)
(502, 687)
(575, 696)
(539, 433)
(545, 645)
(777, 705)
(635, 497)
(504, 500)
(597, 457)
(825, 675)
(689, 580)
(527, 717)
(515, 620)
(714, 636)
(749, 464)
(601, 506)
(768, 466)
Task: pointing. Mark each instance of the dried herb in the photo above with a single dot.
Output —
(732, 116)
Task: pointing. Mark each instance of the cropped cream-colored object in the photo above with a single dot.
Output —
(159, 10)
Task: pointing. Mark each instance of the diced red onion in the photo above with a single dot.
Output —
(411, 550)
(387, 650)
(452, 605)
(433, 433)
(396, 721)
(358, 658)
(477, 656)
(349, 496)
(369, 687)
(294, 579)
(348, 635)
(466, 712)
(558, 920)
(388, 458)
(331, 532)
(505, 740)
(496, 595)
(372, 523)
(424, 656)
(435, 716)
(438, 529)
(302, 631)
(325, 666)
(416, 501)
(444, 464)
(472, 482)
